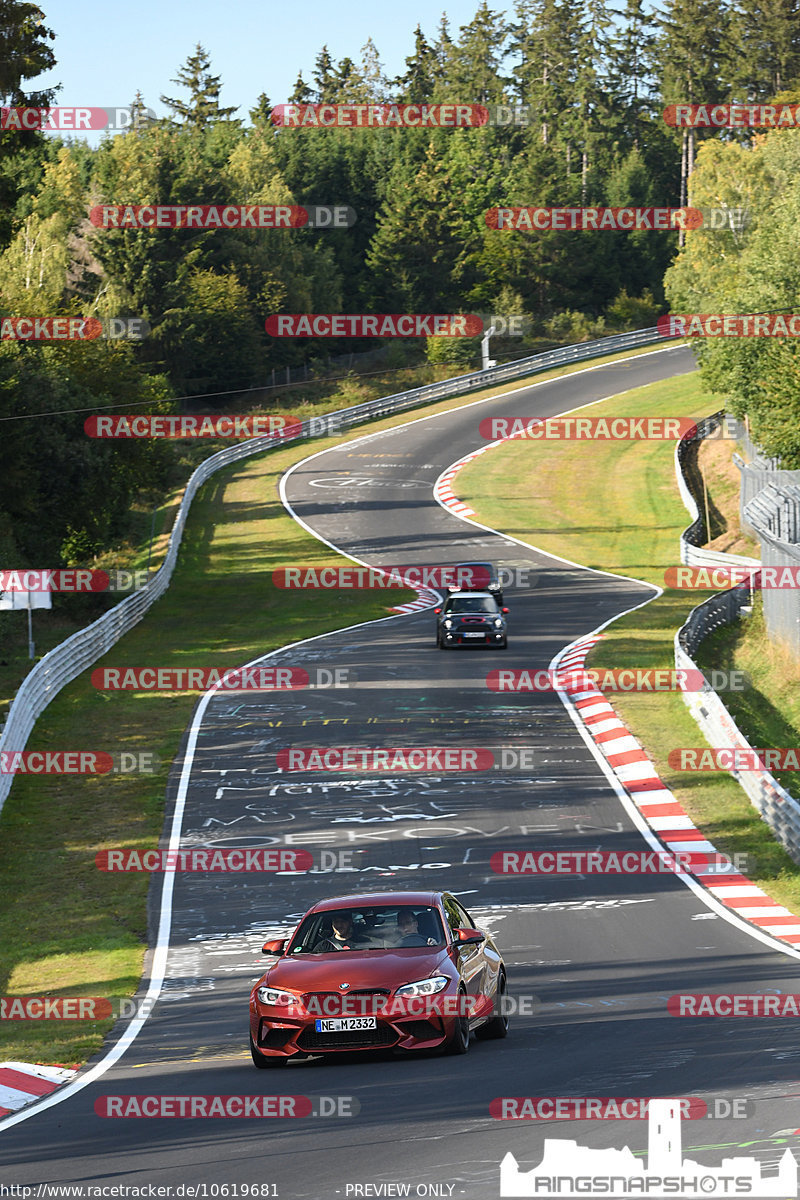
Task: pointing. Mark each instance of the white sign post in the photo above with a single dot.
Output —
(27, 600)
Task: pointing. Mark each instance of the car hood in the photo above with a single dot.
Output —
(372, 969)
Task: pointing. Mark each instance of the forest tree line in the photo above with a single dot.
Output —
(594, 80)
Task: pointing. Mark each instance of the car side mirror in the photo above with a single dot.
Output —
(504, 610)
(276, 946)
(468, 937)
(437, 610)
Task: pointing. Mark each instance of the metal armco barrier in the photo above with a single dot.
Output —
(692, 552)
(775, 805)
(71, 657)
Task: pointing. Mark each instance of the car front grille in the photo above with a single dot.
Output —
(348, 1039)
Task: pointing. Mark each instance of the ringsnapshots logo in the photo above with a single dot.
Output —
(568, 1169)
(72, 329)
(222, 216)
(147, 425)
(734, 325)
(74, 119)
(374, 325)
(580, 429)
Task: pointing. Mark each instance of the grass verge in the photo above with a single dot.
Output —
(65, 927)
(626, 517)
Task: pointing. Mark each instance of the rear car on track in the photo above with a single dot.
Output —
(478, 577)
(387, 970)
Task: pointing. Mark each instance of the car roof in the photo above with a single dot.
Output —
(376, 899)
(472, 595)
(476, 562)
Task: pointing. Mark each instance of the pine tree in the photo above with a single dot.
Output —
(301, 93)
(260, 112)
(416, 86)
(767, 37)
(24, 52)
(476, 58)
(631, 82)
(325, 78)
(693, 64)
(203, 107)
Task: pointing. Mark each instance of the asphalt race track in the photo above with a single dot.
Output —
(594, 959)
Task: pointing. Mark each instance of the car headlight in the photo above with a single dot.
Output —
(448, 624)
(498, 622)
(424, 987)
(277, 997)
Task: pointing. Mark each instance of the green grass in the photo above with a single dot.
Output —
(625, 515)
(65, 927)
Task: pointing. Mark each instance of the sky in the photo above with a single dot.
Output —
(106, 52)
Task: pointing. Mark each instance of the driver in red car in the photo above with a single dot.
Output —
(344, 936)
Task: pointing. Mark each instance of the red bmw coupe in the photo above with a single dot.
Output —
(402, 970)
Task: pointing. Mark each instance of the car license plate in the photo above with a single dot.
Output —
(336, 1024)
(474, 635)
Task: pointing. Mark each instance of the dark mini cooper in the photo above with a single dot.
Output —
(471, 619)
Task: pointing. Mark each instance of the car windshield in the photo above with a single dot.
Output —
(377, 927)
(471, 604)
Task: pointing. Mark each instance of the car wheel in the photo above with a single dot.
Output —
(497, 1025)
(459, 1042)
(504, 644)
(263, 1061)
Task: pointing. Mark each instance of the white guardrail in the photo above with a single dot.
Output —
(775, 805)
(68, 659)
